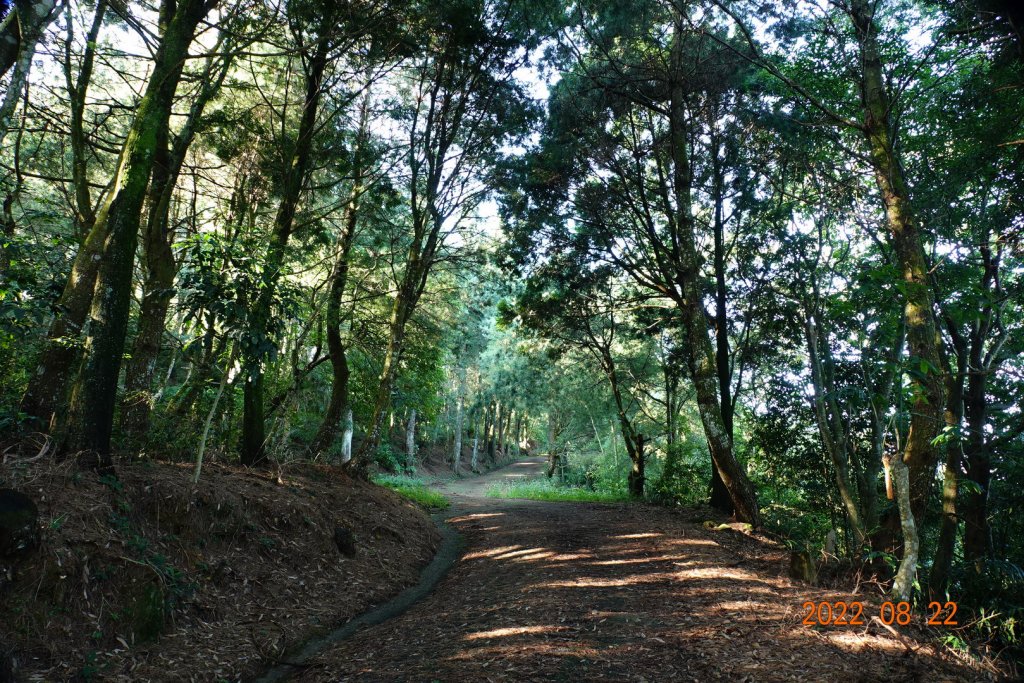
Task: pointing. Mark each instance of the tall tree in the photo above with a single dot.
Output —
(95, 392)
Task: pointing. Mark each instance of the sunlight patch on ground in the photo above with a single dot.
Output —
(716, 573)
(646, 535)
(638, 560)
(505, 652)
(512, 631)
(543, 555)
(519, 554)
(477, 515)
(571, 557)
(690, 541)
(491, 552)
(634, 580)
(856, 641)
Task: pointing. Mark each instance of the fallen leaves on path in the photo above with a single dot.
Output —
(586, 592)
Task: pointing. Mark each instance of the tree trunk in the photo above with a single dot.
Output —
(338, 404)
(410, 437)
(903, 584)
(95, 394)
(720, 498)
(517, 434)
(160, 266)
(552, 451)
(926, 410)
(20, 32)
(209, 416)
(457, 455)
(45, 399)
(830, 424)
(251, 450)
(977, 536)
(346, 438)
(945, 547)
(635, 481)
(499, 431)
(700, 354)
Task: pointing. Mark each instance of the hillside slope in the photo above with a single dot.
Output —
(137, 577)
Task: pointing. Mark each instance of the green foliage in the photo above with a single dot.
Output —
(684, 476)
(414, 489)
(553, 491)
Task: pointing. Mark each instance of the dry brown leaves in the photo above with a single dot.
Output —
(583, 592)
(248, 565)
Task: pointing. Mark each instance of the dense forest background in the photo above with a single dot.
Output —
(766, 256)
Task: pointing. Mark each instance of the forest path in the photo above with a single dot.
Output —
(476, 487)
(585, 592)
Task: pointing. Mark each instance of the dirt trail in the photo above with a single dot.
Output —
(586, 592)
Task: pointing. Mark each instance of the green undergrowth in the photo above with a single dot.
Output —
(413, 488)
(545, 489)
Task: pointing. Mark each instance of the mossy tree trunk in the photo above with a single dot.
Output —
(159, 264)
(925, 361)
(95, 392)
(700, 354)
(45, 398)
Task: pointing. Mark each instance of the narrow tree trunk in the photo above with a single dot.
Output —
(518, 435)
(346, 438)
(938, 579)
(339, 401)
(635, 481)
(389, 370)
(45, 399)
(158, 254)
(410, 437)
(209, 416)
(923, 343)
(457, 455)
(903, 584)
(720, 498)
(977, 536)
(830, 425)
(700, 354)
(499, 421)
(253, 428)
(552, 451)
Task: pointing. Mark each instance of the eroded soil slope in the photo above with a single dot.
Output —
(146, 578)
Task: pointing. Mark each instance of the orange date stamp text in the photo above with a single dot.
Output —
(842, 613)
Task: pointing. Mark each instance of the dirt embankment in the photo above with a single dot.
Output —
(149, 578)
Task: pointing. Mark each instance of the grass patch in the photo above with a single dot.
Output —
(413, 488)
(545, 489)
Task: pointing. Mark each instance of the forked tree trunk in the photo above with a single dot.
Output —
(830, 424)
(95, 393)
(160, 265)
